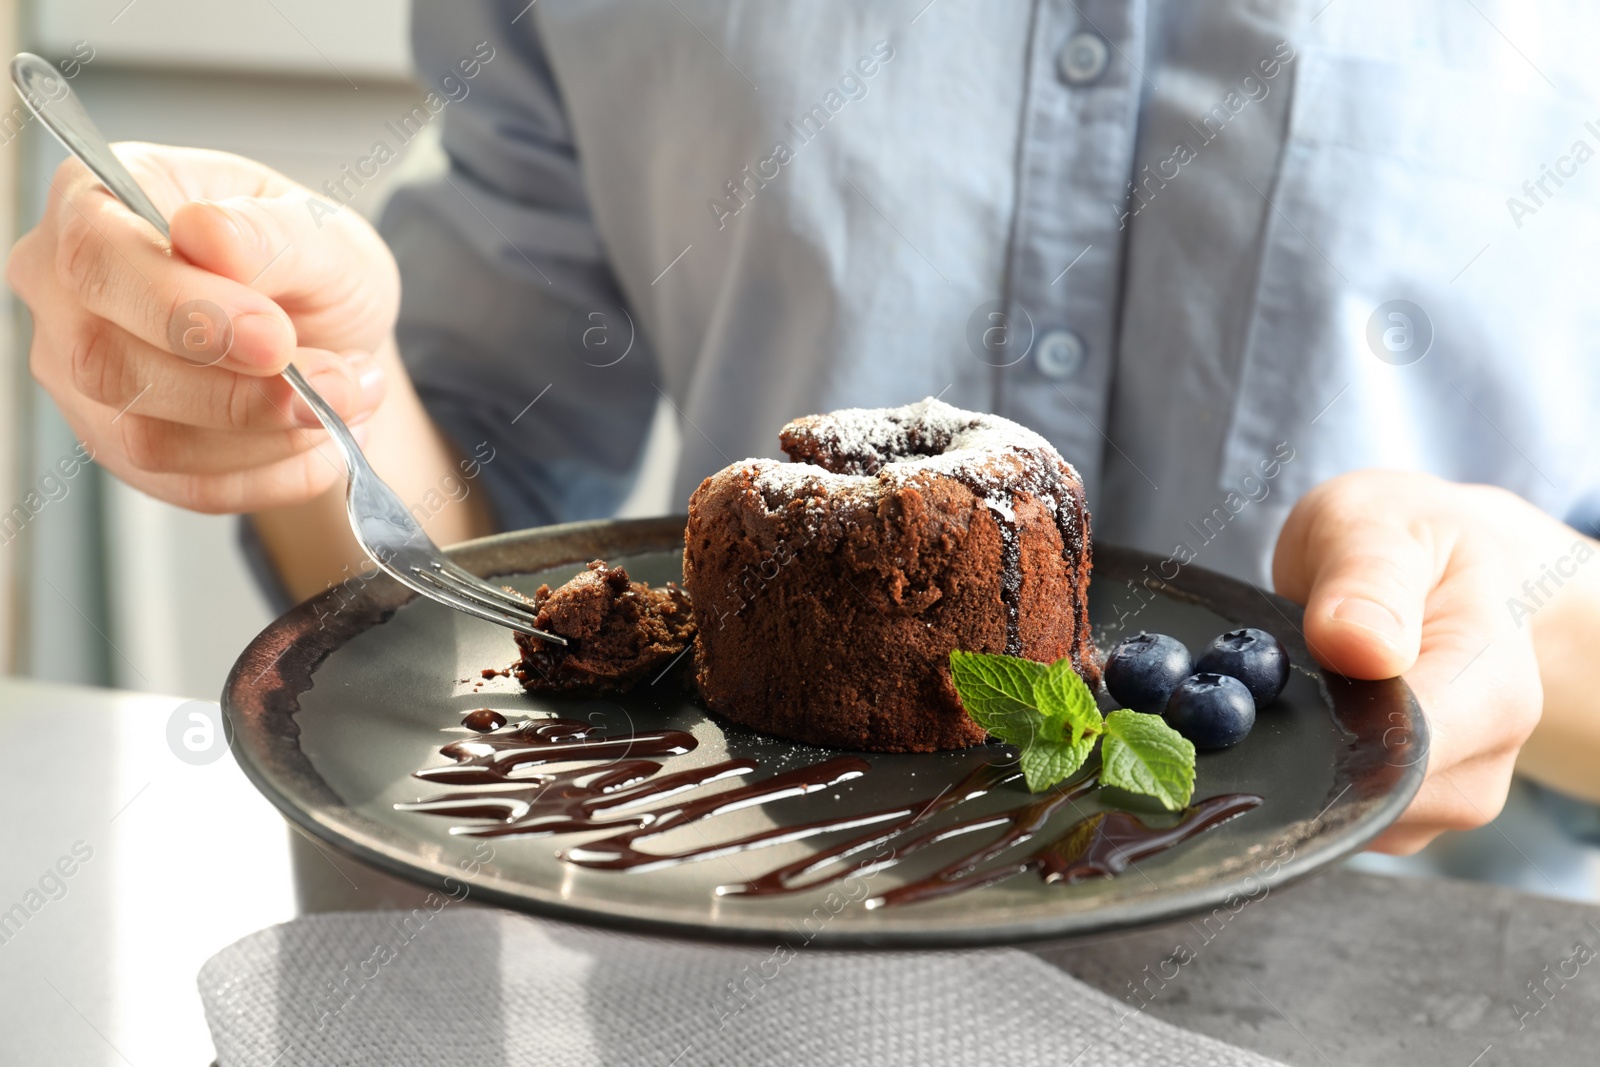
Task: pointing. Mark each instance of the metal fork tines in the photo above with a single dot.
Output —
(395, 540)
(383, 526)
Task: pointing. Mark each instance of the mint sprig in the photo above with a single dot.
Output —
(1048, 714)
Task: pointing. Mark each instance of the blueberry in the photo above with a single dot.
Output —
(1212, 710)
(1254, 657)
(1142, 671)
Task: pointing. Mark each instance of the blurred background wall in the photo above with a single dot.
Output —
(105, 586)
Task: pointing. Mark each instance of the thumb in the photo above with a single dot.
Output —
(1364, 579)
(325, 268)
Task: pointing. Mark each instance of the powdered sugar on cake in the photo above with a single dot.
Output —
(870, 451)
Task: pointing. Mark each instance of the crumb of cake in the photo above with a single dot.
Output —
(619, 632)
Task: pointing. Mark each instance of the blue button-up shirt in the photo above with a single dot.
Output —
(1216, 251)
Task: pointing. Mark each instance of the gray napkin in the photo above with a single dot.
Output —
(481, 987)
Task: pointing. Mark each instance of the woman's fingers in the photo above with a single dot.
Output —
(164, 356)
(161, 446)
(1363, 568)
(1399, 575)
(118, 267)
(309, 470)
(332, 273)
(109, 366)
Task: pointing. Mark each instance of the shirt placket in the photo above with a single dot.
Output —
(1075, 167)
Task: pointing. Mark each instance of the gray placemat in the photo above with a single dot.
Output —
(447, 984)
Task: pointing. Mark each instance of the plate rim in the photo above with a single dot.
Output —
(264, 740)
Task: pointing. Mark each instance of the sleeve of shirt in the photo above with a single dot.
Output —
(511, 323)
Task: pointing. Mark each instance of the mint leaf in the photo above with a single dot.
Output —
(1050, 760)
(997, 692)
(1062, 694)
(1142, 754)
(1030, 706)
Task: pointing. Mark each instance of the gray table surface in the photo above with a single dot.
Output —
(1352, 968)
(1347, 968)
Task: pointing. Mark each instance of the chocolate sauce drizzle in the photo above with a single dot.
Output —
(1043, 479)
(562, 776)
(483, 721)
(1010, 581)
(1101, 846)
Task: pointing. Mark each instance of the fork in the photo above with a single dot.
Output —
(383, 526)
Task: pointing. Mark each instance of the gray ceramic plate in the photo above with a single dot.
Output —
(337, 705)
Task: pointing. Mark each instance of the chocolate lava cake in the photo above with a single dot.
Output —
(618, 632)
(829, 591)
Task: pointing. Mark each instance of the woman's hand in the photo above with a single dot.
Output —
(163, 358)
(1406, 574)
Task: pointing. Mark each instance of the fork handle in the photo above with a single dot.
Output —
(48, 96)
(331, 421)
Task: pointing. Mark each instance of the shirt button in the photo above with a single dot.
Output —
(1060, 354)
(1082, 59)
